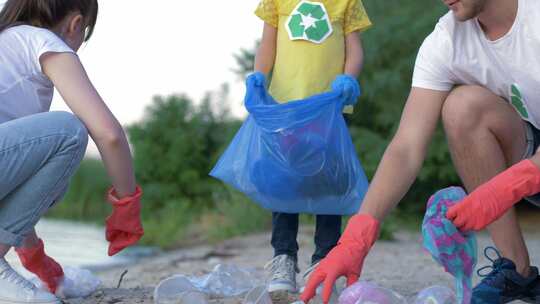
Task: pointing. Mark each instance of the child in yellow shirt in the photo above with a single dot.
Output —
(310, 47)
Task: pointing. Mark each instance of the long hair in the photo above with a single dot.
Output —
(47, 13)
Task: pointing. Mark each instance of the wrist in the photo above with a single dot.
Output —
(362, 229)
(113, 198)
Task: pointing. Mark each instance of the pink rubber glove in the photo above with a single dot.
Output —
(123, 226)
(493, 199)
(346, 259)
(44, 267)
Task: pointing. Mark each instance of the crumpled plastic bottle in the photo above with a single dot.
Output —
(370, 293)
(224, 281)
(436, 295)
(172, 289)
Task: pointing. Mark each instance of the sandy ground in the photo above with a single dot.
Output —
(400, 265)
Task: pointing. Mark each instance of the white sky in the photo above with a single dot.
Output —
(171, 46)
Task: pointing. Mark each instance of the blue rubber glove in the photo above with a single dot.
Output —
(348, 87)
(256, 79)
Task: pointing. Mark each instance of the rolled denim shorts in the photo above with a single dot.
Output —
(533, 142)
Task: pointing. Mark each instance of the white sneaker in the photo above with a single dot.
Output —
(283, 271)
(14, 289)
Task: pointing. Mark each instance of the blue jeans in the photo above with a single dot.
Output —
(285, 231)
(38, 156)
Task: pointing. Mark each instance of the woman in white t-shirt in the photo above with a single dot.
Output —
(40, 150)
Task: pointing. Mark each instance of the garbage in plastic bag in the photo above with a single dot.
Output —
(224, 281)
(77, 283)
(369, 293)
(258, 295)
(296, 157)
(436, 295)
(455, 251)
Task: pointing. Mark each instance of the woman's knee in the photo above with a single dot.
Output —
(73, 127)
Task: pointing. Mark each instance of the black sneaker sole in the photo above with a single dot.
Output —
(283, 297)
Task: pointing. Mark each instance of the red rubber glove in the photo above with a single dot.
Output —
(123, 226)
(493, 199)
(44, 267)
(346, 259)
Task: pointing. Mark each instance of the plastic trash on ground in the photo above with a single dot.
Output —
(436, 295)
(77, 283)
(455, 251)
(224, 281)
(174, 290)
(227, 281)
(296, 157)
(369, 293)
(258, 295)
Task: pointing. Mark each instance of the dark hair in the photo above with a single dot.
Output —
(47, 13)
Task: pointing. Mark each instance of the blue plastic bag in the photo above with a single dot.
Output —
(296, 157)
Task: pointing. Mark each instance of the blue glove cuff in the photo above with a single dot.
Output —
(349, 87)
(256, 79)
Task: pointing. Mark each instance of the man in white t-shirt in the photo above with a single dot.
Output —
(479, 71)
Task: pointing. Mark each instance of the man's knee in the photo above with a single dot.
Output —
(465, 108)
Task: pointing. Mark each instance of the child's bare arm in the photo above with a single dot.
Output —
(266, 54)
(354, 54)
(69, 77)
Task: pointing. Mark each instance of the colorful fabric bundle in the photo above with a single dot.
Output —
(455, 251)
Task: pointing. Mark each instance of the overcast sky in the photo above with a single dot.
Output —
(140, 50)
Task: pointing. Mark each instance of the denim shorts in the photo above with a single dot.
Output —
(533, 142)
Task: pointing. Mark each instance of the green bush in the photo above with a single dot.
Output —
(175, 146)
(85, 200)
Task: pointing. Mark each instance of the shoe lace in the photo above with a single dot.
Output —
(281, 267)
(495, 268)
(310, 270)
(7, 273)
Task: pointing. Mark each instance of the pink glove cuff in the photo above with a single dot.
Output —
(362, 229)
(510, 186)
(28, 255)
(115, 201)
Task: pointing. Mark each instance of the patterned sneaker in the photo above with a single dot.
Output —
(282, 271)
(14, 289)
(503, 283)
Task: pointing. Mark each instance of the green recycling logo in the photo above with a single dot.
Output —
(309, 21)
(516, 99)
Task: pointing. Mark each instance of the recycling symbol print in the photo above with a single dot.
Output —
(309, 21)
(516, 99)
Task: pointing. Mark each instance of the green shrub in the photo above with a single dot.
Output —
(85, 199)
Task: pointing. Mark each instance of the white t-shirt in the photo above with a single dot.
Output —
(24, 89)
(459, 53)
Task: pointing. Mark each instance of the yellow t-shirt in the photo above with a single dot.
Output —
(303, 68)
